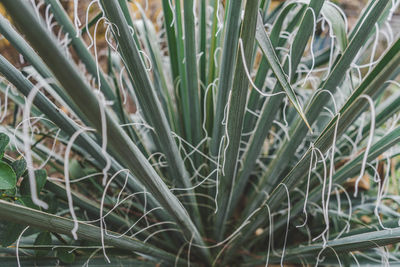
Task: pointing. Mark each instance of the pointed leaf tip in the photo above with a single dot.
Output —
(269, 52)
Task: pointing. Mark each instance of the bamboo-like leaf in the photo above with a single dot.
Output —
(147, 30)
(192, 76)
(46, 107)
(79, 260)
(358, 242)
(383, 112)
(221, 216)
(300, 171)
(236, 111)
(214, 40)
(30, 55)
(91, 23)
(90, 63)
(53, 223)
(350, 169)
(182, 90)
(336, 76)
(94, 209)
(83, 202)
(332, 14)
(254, 102)
(148, 100)
(364, 258)
(271, 105)
(269, 53)
(118, 142)
(212, 67)
(83, 141)
(80, 48)
(227, 69)
(350, 111)
(145, 92)
(170, 32)
(203, 42)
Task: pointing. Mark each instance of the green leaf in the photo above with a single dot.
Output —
(27, 202)
(252, 165)
(191, 71)
(4, 140)
(349, 113)
(315, 106)
(53, 223)
(81, 201)
(335, 19)
(156, 118)
(8, 179)
(80, 48)
(357, 242)
(41, 178)
(271, 105)
(44, 238)
(229, 54)
(182, 95)
(160, 82)
(170, 31)
(236, 112)
(145, 92)
(60, 119)
(19, 167)
(203, 41)
(66, 255)
(9, 233)
(51, 199)
(30, 55)
(269, 53)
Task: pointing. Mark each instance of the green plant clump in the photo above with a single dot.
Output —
(222, 133)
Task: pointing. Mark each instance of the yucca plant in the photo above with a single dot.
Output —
(225, 133)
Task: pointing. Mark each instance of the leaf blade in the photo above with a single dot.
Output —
(8, 179)
(269, 52)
